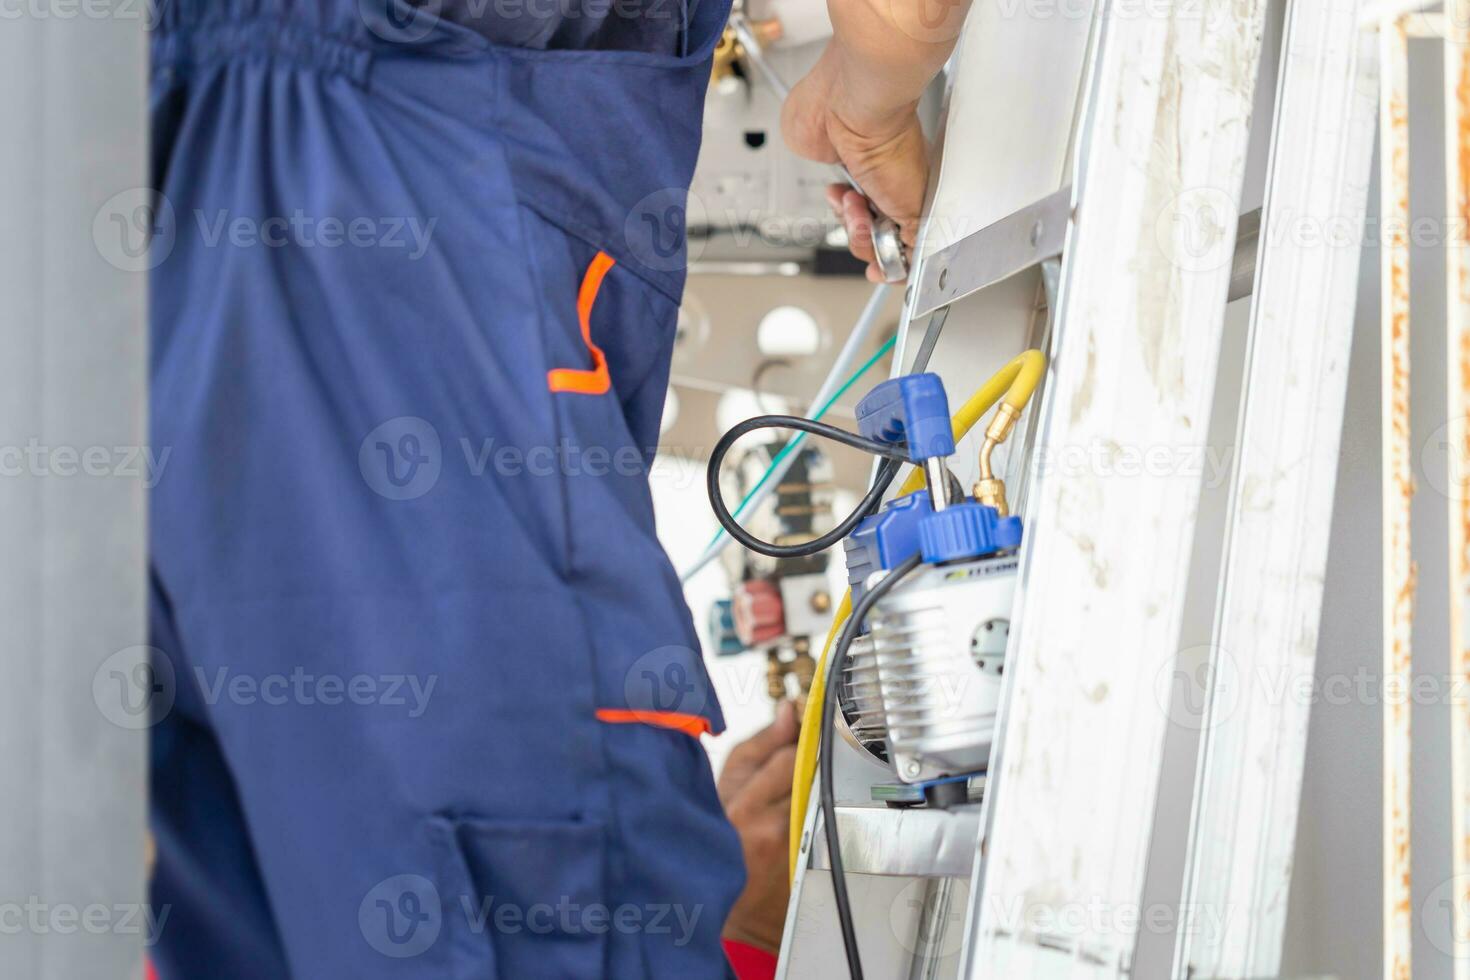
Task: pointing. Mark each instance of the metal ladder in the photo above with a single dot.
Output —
(1106, 201)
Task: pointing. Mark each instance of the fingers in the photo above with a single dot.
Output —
(771, 783)
(782, 731)
(857, 217)
(835, 193)
(851, 208)
(859, 223)
(893, 172)
(764, 837)
(750, 755)
(759, 807)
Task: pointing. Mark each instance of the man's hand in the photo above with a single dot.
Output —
(755, 789)
(859, 107)
(885, 152)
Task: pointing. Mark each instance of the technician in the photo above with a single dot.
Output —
(418, 273)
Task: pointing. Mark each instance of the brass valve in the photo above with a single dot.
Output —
(729, 50)
(990, 489)
(776, 670)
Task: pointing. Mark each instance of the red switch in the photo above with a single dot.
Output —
(759, 617)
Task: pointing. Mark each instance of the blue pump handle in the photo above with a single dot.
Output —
(911, 410)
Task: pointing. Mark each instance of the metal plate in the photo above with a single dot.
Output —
(1018, 241)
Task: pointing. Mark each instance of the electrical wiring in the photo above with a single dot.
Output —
(828, 796)
(1015, 382)
(777, 468)
(893, 457)
(827, 396)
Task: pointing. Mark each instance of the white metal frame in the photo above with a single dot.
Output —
(1243, 831)
(1398, 492)
(1099, 612)
(1457, 433)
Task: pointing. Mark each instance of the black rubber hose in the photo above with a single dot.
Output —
(893, 457)
(828, 797)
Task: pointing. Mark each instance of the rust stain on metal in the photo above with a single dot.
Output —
(1457, 130)
(1398, 492)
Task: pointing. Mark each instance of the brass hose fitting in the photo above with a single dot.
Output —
(728, 51)
(776, 676)
(732, 48)
(990, 489)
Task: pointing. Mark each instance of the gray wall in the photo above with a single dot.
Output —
(72, 566)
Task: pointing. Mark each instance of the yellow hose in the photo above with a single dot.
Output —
(1016, 381)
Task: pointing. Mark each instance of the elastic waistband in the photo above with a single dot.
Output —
(602, 142)
(201, 43)
(329, 31)
(338, 19)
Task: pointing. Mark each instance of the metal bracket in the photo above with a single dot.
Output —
(1016, 242)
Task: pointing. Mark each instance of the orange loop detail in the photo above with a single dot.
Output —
(695, 725)
(596, 381)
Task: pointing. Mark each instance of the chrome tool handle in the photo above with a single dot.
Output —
(888, 247)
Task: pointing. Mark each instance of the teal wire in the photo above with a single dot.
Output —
(791, 446)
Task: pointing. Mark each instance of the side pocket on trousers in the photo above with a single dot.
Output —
(527, 897)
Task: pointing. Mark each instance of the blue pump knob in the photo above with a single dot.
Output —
(911, 409)
(883, 540)
(967, 530)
